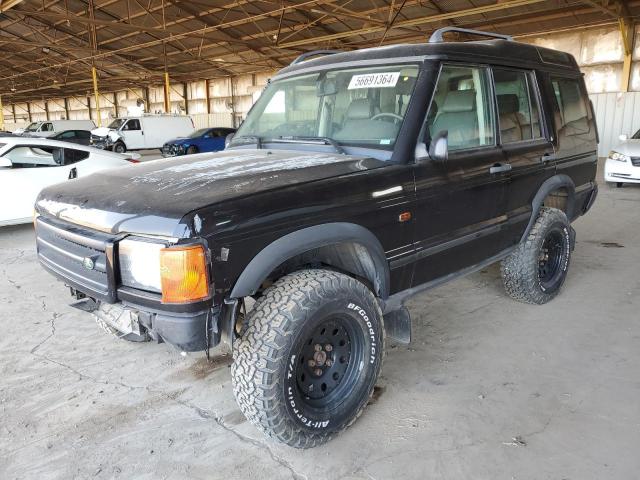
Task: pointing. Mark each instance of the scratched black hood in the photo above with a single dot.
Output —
(152, 197)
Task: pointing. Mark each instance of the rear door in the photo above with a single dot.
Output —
(460, 203)
(526, 144)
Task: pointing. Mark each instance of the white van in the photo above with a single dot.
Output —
(141, 132)
(49, 127)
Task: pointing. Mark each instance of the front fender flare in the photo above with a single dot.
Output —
(306, 239)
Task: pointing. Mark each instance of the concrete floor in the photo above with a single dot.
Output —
(490, 388)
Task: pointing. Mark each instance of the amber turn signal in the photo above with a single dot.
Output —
(183, 274)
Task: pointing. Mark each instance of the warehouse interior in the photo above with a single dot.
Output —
(487, 389)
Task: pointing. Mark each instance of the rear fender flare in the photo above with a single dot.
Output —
(550, 185)
(301, 241)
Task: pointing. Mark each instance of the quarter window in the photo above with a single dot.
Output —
(518, 112)
(572, 116)
(461, 105)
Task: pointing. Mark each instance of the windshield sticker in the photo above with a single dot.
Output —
(374, 80)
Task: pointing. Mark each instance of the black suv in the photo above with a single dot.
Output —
(357, 180)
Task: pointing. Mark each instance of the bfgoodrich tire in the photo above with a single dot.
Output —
(309, 356)
(536, 270)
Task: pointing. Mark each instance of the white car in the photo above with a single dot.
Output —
(27, 165)
(623, 163)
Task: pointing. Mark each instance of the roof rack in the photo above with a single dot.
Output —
(306, 55)
(436, 37)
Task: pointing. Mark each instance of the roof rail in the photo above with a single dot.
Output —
(436, 37)
(306, 55)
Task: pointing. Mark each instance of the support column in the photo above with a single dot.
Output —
(167, 93)
(89, 107)
(46, 110)
(206, 95)
(96, 94)
(115, 104)
(1, 114)
(627, 30)
(29, 112)
(66, 108)
(185, 95)
(13, 111)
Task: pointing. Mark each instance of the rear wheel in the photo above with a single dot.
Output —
(309, 356)
(536, 270)
(619, 184)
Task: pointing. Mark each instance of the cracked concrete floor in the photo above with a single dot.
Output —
(490, 388)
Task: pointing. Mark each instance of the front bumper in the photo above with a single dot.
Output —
(171, 150)
(185, 331)
(626, 172)
(64, 249)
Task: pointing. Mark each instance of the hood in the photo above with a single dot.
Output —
(178, 140)
(106, 132)
(152, 197)
(629, 147)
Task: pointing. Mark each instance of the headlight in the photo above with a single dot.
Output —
(620, 157)
(139, 262)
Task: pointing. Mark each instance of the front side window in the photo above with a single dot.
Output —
(203, 132)
(462, 106)
(47, 127)
(352, 106)
(517, 119)
(68, 134)
(572, 117)
(132, 125)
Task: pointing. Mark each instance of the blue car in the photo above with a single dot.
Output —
(203, 140)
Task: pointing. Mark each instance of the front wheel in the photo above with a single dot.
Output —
(309, 357)
(192, 150)
(120, 147)
(536, 270)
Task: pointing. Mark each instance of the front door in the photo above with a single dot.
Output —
(133, 134)
(460, 210)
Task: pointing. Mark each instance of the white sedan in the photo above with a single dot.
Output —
(623, 162)
(27, 165)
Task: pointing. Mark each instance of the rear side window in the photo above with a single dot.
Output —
(571, 116)
(462, 105)
(84, 134)
(72, 156)
(518, 112)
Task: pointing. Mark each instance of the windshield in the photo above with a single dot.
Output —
(33, 127)
(117, 123)
(351, 106)
(198, 133)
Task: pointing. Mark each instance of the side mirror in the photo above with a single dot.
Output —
(5, 162)
(439, 146)
(228, 139)
(624, 137)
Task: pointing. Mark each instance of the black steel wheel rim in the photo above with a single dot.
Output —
(327, 361)
(550, 259)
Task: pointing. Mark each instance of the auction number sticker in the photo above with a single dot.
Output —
(374, 80)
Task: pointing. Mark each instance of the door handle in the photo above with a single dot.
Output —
(500, 167)
(547, 157)
(73, 173)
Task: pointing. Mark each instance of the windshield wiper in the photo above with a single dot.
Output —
(312, 139)
(259, 140)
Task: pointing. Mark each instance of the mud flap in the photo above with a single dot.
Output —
(397, 325)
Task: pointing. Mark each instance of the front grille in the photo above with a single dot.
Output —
(635, 161)
(82, 258)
